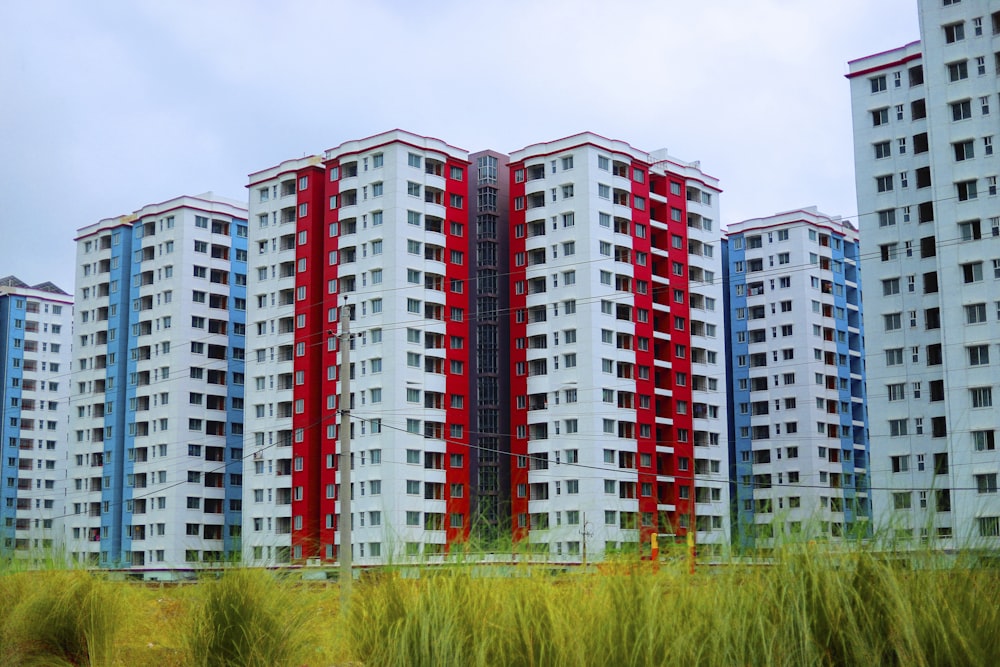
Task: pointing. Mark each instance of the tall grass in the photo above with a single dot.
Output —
(57, 618)
(247, 618)
(807, 607)
(807, 604)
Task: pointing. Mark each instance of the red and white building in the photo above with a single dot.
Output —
(539, 356)
(381, 225)
(617, 383)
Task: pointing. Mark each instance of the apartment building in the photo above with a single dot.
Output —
(453, 293)
(796, 351)
(380, 226)
(35, 335)
(617, 371)
(275, 234)
(924, 125)
(156, 431)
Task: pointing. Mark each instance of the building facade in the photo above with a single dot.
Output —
(924, 126)
(156, 441)
(489, 377)
(379, 225)
(617, 401)
(798, 425)
(35, 337)
(428, 247)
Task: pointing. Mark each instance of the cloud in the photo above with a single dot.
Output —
(109, 106)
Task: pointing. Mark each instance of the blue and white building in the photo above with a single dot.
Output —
(798, 432)
(156, 441)
(35, 330)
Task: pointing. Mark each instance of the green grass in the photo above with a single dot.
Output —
(807, 604)
(247, 618)
(56, 618)
(808, 607)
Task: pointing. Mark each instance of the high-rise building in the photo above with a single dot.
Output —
(617, 360)
(156, 435)
(537, 358)
(35, 335)
(798, 428)
(279, 237)
(924, 127)
(379, 225)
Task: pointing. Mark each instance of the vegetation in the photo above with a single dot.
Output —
(247, 618)
(55, 618)
(805, 605)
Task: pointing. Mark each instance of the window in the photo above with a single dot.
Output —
(970, 230)
(961, 110)
(975, 313)
(983, 441)
(989, 526)
(892, 321)
(982, 397)
(878, 84)
(979, 355)
(958, 70)
(883, 183)
(964, 150)
(954, 32)
(880, 117)
(972, 272)
(896, 392)
(966, 190)
(986, 483)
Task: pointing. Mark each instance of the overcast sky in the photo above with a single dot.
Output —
(107, 106)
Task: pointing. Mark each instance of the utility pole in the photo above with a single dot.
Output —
(585, 532)
(691, 537)
(344, 462)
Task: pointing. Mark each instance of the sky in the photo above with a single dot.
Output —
(106, 105)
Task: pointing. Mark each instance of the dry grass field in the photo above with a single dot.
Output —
(805, 606)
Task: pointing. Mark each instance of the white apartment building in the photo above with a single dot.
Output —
(156, 434)
(924, 126)
(799, 428)
(379, 225)
(35, 334)
(707, 313)
(267, 474)
(617, 389)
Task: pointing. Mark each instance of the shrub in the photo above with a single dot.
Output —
(247, 618)
(62, 618)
